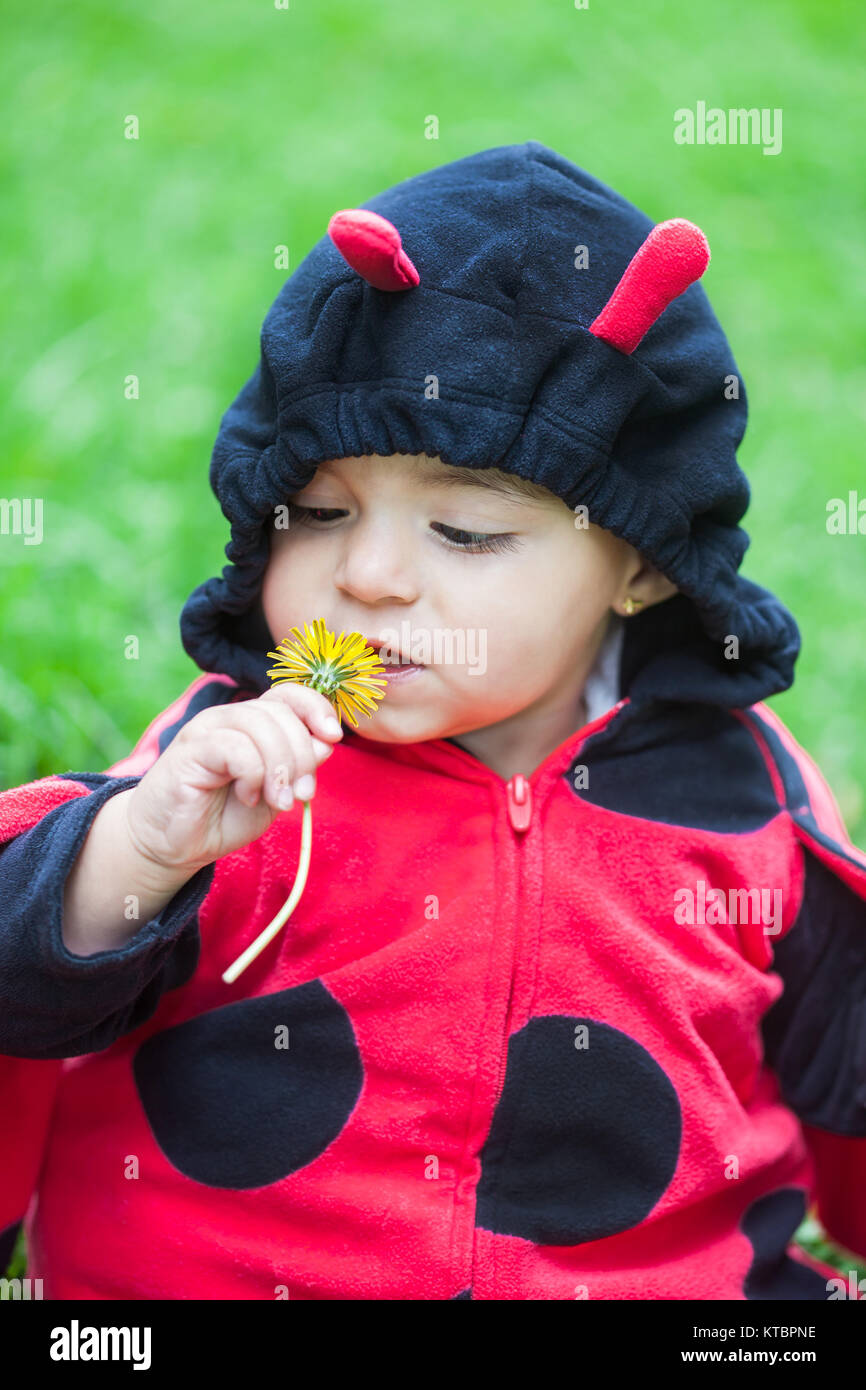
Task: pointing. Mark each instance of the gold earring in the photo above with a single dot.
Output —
(631, 605)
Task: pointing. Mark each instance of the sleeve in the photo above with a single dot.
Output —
(815, 1033)
(54, 1004)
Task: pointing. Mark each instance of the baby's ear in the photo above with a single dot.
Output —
(646, 587)
(661, 587)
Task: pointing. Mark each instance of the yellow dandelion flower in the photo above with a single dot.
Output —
(345, 669)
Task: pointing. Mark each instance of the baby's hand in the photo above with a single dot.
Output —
(228, 773)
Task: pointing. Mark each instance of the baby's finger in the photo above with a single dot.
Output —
(311, 706)
(290, 721)
(286, 746)
(297, 776)
(233, 756)
(270, 739)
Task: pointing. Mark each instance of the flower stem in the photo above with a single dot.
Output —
(237, 967)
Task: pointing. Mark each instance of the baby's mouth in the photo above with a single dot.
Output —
(396, 675)
(395, 659)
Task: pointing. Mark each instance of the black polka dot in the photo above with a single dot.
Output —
(770, 1223)
(583, 1142)
(229, 1108)
(691, 766)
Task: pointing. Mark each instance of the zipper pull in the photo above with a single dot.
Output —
(519, 798)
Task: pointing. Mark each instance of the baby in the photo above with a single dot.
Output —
(532, 1030)
(544, 605)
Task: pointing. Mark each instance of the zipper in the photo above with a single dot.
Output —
(518, 799)
(518, 795)
(519, 804)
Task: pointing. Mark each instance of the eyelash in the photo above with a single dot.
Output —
(477, 542)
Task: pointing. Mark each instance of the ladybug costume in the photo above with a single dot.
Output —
(489, 1056)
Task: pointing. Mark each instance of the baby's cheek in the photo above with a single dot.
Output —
(489, 690)
(282, 593)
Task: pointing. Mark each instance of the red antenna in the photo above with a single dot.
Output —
(674, 255)
(372, 246)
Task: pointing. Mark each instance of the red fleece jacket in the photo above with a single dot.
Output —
(519, 1039)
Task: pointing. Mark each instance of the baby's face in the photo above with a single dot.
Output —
(503, 600)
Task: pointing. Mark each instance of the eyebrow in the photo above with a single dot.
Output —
(486, 479)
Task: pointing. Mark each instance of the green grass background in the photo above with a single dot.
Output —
(156, 257)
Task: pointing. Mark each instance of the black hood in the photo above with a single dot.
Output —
(645, 439)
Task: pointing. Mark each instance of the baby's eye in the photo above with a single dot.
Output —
(473, 542)
(307, 514)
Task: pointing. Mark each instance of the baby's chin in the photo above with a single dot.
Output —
(416, 726)
(398, 730)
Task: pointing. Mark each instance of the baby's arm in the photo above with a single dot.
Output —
(109, 873)
(72, 986)
(55, 1003)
